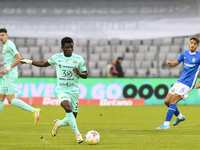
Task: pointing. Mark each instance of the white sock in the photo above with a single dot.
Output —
(77, 133)
(180, 116)
(167, 123)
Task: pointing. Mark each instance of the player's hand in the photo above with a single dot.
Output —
(25, 61)
(3, 72)
(76, 70)
(198, 86)
(167, 62)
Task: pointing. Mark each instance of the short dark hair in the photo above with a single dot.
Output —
(120, 58)
(3, 30)
(66, 40)
(195, 38)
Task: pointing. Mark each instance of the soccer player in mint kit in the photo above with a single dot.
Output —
(8, 87)
(186, 82)
(69, 67)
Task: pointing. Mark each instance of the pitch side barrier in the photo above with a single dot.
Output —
(53, 101)
(104, 91)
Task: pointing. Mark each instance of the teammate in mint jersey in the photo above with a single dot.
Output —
(69, 67)
(8, 87)
(186, 82)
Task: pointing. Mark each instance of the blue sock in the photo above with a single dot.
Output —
(19, 103)
(170, 112)
(1, 105)
(177, 112)
(72, 122)
(63, 122)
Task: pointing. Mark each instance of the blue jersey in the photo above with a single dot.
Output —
(191, 63)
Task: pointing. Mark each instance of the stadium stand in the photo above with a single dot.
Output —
(141, 58)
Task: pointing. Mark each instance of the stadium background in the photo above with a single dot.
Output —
(145, 33)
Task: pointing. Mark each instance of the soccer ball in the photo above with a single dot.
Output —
(92, 137)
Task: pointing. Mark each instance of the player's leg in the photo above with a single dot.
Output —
(167, 103)
(11, 89)
(19, 103)
(64, 121)
(171, 110)
(69, 102)
(71, 120)
(2, 97)
(2, 94)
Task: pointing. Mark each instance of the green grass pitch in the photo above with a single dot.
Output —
(120, 128)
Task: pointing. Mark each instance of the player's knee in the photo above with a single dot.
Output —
(68, 109)
(166, 103)
(9, 100)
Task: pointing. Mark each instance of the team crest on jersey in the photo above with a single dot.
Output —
(67, 60)
(75, 62)
(194, 59)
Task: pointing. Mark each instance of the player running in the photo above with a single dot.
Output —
(186, 82)
(69, 68)
(8, 87)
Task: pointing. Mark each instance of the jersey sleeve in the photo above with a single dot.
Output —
(180, 58)
(52, 60)
(82, 66)
(13, 49)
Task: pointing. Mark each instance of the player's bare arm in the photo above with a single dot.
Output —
(41, 63)
(16, 62)
(81, 74)
(172, 64)
(35, 63)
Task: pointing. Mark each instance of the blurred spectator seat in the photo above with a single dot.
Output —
(167, 41)
(129, 72)
(101, 64)
(157, 42)
(142, 72)
(114, 41)
(41, 42)
(23, 50)
(20, 42)
(95, 72)
(147, 42)
(103, 42)
(30, 42)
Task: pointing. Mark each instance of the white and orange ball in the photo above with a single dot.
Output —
(92, 137)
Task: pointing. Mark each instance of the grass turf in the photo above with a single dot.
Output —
(120, 127)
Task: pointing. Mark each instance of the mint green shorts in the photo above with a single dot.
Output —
(8, 85)
(72, 97)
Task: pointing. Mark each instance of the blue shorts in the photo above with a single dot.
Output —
(72, 97)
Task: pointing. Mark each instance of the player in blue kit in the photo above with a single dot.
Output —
(8, 87)
(69, 67)
(185, 84)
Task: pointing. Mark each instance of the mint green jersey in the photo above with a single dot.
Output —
(9, 52)
(66, 78)
(8, 84)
